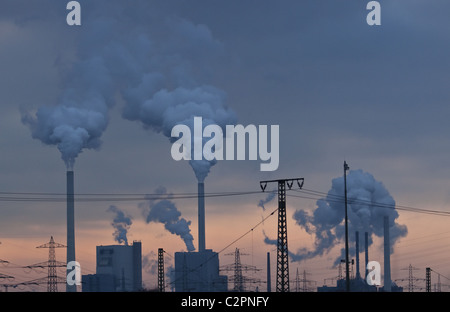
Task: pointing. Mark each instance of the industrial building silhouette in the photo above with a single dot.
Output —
(119, 268)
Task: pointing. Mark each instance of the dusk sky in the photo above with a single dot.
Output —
(375, 96)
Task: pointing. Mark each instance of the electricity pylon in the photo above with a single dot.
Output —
(161, 283)
(52, 264)
(238, 278)
(282, 245)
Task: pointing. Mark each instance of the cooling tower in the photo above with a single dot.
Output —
(70, 226)
(201, 217)
(387, 256)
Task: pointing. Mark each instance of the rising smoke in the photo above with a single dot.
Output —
(169, 93)
(365, 195)
(121, 224)
(151, 62)
(164, 211)
(270, 196)
(79, 120)
(165, 109)
(150, 263)
(368, 203)
(150, 266)
(80, 116)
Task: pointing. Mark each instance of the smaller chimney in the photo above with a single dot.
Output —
(358, 275)
(201, 217)
(366, 242)
(387, 256)
(269, 286)
(70, 224)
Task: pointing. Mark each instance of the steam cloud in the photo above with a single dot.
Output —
(150, 263)
(168, 93)
(151, 61)
(80, 116)
(80, 119)
(364, 195)
(269, 198)
(150, 266)
(165, 109)
(164, 211)
(121, 223)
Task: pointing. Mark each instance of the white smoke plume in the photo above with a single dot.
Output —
(364, 194)
(150, 263)
(150, 60)
(150, 266)
(80, 116)
(78, 121)
(270, 196)
(168, 93)
(164, 211)
(121, 224)
(165, 109)
(368, 202)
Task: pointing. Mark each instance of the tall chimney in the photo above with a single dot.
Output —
(269, 286)
(366, 242)
(70, 226)
(387, 256)
(358, 275)
(201, 216)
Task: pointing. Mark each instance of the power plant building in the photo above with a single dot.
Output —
(358, 283)
(199, 272)
(119, 268)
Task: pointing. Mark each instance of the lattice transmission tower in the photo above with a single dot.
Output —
(238, 268)
(52, 264)
(282, 242)
(161, 280)
(412, 280)
(302, 284)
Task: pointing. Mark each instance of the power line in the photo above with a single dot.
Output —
(340, 199)
(226, 247)
(123, 197)
(59, 197)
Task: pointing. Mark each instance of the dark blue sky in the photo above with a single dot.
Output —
(339, 89)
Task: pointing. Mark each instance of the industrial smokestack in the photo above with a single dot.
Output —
(328, 230)
(201, 216)
(387, 256)
(269, 286)
(70, 226)
(358, 275)
(366, 242)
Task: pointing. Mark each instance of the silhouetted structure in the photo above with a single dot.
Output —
(387, 256)
(358, 283)
(70, 225)
(238, 278)
(198, 272)
(282, 243)
(52, 264)
(161, 283)
(119, 268)
(269, 278)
